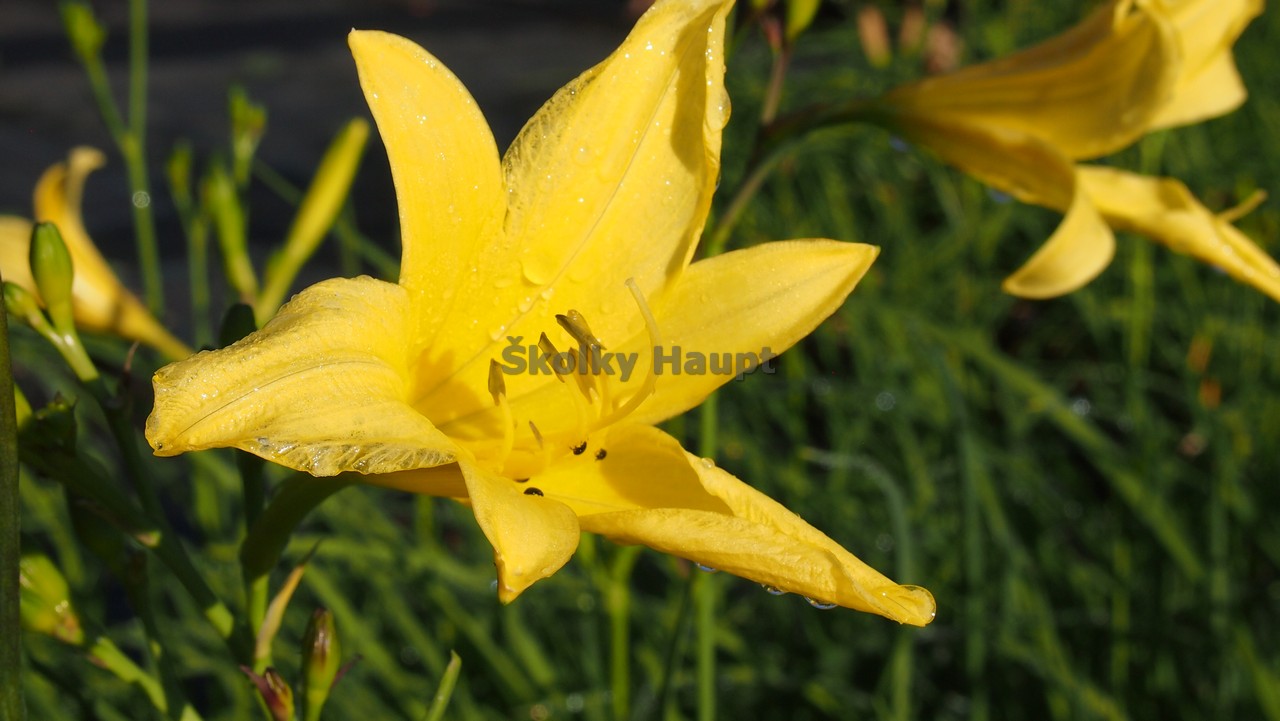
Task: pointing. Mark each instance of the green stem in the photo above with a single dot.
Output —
(135, 156)
(706, 592)
(618, 602)
(675, 650)
(445, 690)
(109, 656)
(11, 701)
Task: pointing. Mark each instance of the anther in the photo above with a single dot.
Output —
(580, 448)
(521, 480)
(576, 325)
(497, 384)
(532, 492)
(600, 454)
(549, 351)
(536, 435)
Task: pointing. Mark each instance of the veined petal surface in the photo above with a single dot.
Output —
(321, 388)
(646, 489)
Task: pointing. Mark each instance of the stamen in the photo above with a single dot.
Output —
(1244, 207)
(576, 325)
(536, 435)
(498, 389)
(579, 401)
(650, 378)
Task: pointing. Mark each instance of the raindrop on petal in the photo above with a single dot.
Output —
(820, 605)
(772, 590)
(706, 569)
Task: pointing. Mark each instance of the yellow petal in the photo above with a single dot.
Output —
(321, 388)
(100, 302)
(1089, 92)
(647, 489)
(1208, 83)
(444, 162)
(742, 302)
(611, 179)
(1165, 211)
(532, 536)
(15, 251)
(1035, 172)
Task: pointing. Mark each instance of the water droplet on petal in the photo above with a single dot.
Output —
(706, 569)
(772, 590)
(820, 605)
(708, 463)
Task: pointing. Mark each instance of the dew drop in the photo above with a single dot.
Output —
(496, 333)
(525, 304)
(706, 569)
(820, 605)
(773, 590)
(536, 270)
(708, 463)
(504, 282)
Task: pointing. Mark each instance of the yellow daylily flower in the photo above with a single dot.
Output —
(1022, 122)
(580, 237)
(100, 302)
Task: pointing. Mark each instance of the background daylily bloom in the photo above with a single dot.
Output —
(100, 302)
(1021, 123)
(593, 214)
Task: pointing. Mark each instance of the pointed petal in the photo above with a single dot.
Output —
(321, 388)
(15, 252)
(1035, 172)
(648, 490)
(726, 304)
(444, 162)
(611, 179)
(1165, 211)
(532, 536)
(1089, 92)
(1208, 83)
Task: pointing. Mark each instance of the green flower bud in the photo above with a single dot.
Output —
(321, 658)
(83, 29)
(22, 305)
(53, 272)
(800, 15)
(45, 600)
(248, 123)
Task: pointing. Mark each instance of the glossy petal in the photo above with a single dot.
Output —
(610, 180)
(444, 162)
(1088, 92)
(648, 490)
(1165, 211)
(321, 388)
(1208, 83)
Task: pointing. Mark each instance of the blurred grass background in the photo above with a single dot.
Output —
(1082, 483)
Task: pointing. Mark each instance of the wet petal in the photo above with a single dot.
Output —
(1089, 92)
(321, 388)
(646, 489)
(532, 536)
(611, 179)
(444, 162)
(1165, 211)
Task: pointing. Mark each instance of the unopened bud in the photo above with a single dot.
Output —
(53, 272)
(321, 656)
(23, 306)
(248, 123)
(800, 15)
(275, 692)
(45, 600)
(83, 29)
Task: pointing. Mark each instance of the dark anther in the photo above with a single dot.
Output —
(522, 480)
(532, 492)
(579, 449)
(600, 454)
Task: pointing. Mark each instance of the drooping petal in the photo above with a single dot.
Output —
(1036, 172)
(1164, 210)
(1089, 92)
(532, 536)
(611, 179)
(101, 303)
(444, 163)
(322, 388)
(646, 489)
(1208, 82)
(15, 251)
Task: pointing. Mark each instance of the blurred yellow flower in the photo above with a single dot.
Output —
(1021, 122)
(101, 304)
(579, 238)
